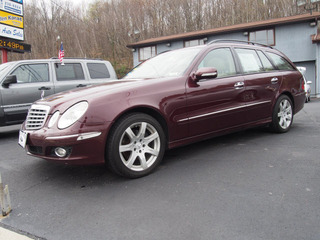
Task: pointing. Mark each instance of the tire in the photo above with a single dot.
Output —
(282, 116)
(136, 145)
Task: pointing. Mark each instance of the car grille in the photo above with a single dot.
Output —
(37, 116)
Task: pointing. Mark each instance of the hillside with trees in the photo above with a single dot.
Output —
(104, 28)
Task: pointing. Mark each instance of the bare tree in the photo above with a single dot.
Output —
(105, 28)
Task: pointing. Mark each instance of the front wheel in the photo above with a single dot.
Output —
(136, 145)
(282, 115)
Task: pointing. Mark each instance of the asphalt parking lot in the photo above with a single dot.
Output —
(246, 186)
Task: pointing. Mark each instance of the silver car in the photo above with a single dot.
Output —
(24, 82)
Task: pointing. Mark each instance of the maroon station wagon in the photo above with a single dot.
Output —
(176, 98)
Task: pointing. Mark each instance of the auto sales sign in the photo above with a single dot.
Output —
(11, 19)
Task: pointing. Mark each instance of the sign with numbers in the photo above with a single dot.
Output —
(11, 19)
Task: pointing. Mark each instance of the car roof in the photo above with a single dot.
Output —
(242, 42)
(56, 60)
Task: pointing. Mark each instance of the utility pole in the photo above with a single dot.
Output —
(4, 55)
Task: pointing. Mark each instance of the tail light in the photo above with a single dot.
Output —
(302, 84)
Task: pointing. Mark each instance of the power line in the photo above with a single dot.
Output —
(66, 10)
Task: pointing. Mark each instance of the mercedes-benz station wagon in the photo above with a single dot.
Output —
(173, 99)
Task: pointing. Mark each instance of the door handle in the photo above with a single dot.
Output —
(81, 85)
(43, 88)
(239, 85)
(274, 80)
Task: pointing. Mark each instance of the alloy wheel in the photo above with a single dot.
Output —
(139, 146)
(285, 114)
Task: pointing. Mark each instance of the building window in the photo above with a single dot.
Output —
(263, 36)
(192, 43)
(146, 53)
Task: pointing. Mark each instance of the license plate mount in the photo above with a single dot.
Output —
(23, 136)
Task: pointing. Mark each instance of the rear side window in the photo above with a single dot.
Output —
(249, 60)
(222, 60)
(280, 62)
(267, 65)
(69, 71)
(98, 70)
(30, 73)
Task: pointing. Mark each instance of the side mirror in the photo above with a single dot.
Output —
(205, 73)
(9, 80)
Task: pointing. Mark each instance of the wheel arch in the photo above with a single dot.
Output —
(109, 145)
(275, 125)
(287, 93)
(146, 110)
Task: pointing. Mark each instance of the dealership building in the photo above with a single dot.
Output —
(296, 36)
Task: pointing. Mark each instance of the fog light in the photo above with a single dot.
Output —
(60, 152)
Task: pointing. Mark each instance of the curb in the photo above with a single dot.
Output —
(9, 233)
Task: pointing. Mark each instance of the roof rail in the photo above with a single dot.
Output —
(78, 58)
(239, 41)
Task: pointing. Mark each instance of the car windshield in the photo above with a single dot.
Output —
(168, 64)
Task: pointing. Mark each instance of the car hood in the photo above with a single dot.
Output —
(65, 99)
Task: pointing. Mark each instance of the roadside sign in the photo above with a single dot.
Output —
(11, 19)
(11, 32)
(12, 28)
(18, 1)
(11, 7)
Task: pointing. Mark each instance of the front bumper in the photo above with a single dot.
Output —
(83, 148)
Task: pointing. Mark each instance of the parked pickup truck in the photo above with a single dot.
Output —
(23, 82)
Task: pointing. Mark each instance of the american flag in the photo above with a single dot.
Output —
(61, 54)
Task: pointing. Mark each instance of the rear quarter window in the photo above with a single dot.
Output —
(280, 62)
(267, 65)
(98, 70)
(69, 71)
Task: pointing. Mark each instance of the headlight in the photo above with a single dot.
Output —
(72, 115)
(53, 119)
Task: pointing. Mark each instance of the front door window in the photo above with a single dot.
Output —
(30, 73)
